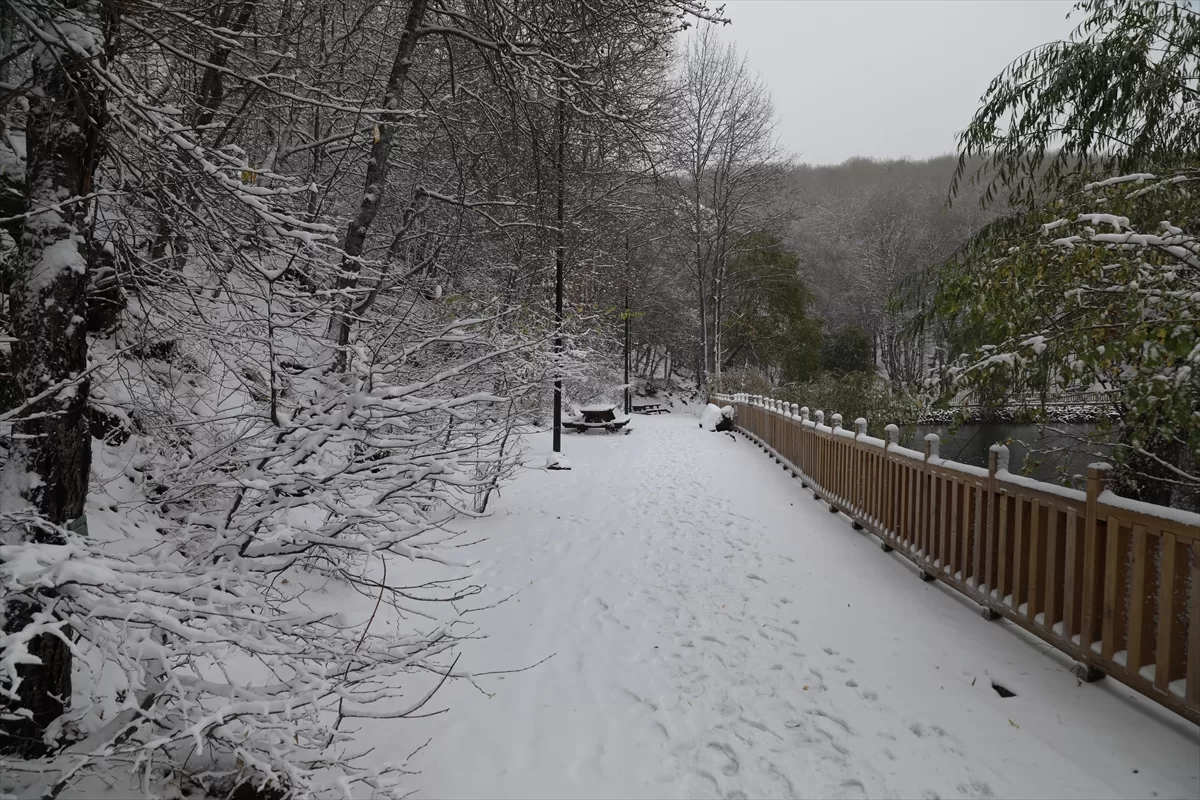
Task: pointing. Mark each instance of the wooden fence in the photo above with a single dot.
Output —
(1113, 583)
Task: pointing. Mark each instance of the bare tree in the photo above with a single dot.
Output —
(727, 165)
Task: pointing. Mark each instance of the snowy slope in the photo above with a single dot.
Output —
(714, 632)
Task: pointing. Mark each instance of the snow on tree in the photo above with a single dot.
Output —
(273, 326)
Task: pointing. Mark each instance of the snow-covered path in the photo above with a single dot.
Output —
(715, 632)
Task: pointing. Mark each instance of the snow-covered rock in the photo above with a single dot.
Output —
(713, 418)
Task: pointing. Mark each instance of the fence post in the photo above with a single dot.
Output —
(794, 450)
(805, 468)
(818, 473)
(785, 439)
(891, 437)
(925, 518)
(1097, 481)
(773, 435)
(859, 476)
(837, 471)
(997, 461)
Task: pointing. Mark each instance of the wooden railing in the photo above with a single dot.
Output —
(1113, 583)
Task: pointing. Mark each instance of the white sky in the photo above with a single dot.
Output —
(886, 79)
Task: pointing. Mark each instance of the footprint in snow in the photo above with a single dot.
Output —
(841, 723)
(727, 758)
(756, 577)
(976, 788)
(851, 790)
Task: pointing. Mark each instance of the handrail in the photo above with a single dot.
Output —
(1113, 583)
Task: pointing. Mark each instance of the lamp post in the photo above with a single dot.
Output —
(628, 401)
(557, 460)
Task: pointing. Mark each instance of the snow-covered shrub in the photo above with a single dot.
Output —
(854, 395)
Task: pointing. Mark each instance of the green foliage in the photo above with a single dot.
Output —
(1099, 289)
(1119, 96)
(846, 350)
(768, 322)
(853, 395)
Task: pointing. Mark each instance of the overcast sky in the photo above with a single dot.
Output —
(886, 79)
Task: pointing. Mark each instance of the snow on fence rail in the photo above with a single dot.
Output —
(1111, 582)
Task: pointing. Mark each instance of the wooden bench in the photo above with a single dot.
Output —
(651, 408)
(604, 416)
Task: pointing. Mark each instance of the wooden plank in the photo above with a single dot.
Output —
(1072, 578)
(970, 516)
(921, 508)
(1166, 611)
(954, 556)
(946, 488)
(1179, 637)
(1020, 567)
(1053, 583)
(1114, 595)
(1134, 655)
(1037, 570)
(978, 532)
(1192, 687)
(1093, 552)
(1002, 551)
(907, 508)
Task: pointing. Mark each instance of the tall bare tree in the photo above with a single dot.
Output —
(727, 165)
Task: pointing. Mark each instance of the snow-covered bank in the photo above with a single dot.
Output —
(713, 631)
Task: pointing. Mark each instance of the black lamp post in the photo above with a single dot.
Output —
(557, 462)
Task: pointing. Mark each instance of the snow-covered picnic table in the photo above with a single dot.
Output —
(711, 631)
(602, 415)
(650, 408)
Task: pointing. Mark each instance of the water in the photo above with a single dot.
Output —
(1060, 450)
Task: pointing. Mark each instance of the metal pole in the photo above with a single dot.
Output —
(558, 277)
(628, 399)
(628, 403)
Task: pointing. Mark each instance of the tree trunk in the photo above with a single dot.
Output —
(376, 183)
(46, 475)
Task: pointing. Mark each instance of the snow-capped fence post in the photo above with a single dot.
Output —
(773, 433)
(861, 475)
(818, 474)
(805, 446)
(1094, 572)
(985, 553)
(926, 529)
(797, 431)
(890, 514)
(837, 462)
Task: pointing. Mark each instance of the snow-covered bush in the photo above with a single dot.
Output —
(854, 395)
(1098, 290)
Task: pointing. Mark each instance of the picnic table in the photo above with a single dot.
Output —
(598, 416)
(650, 408)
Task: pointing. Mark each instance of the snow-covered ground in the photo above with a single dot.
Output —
(715, 632)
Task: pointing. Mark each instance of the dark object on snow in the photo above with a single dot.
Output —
(604, 416)
(1003, 691)
(651, 408)
(714, 418)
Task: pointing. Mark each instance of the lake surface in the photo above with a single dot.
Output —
(1058, 450)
